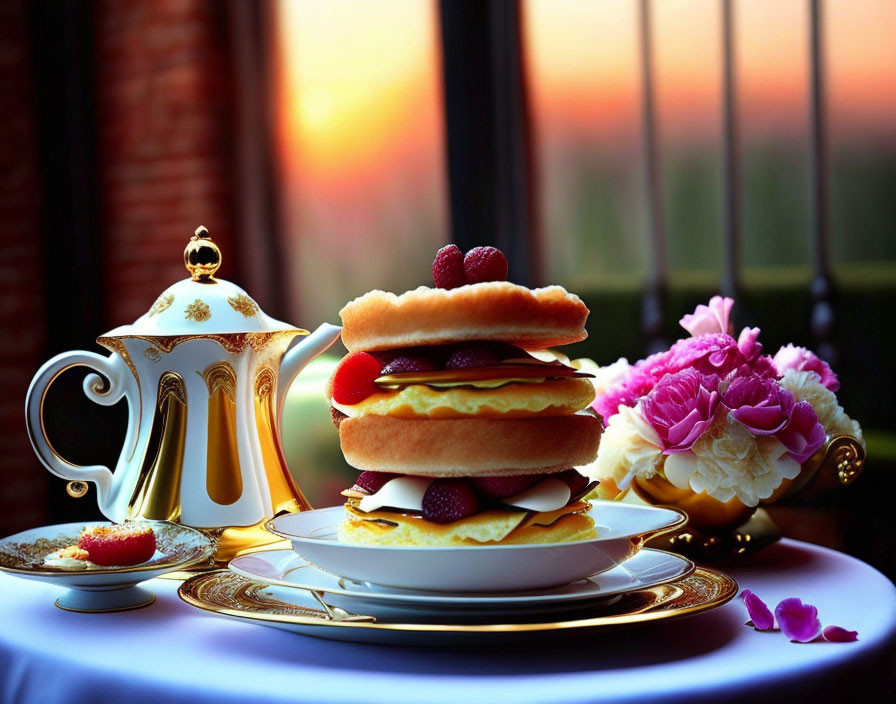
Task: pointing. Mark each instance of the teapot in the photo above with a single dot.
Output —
(204, 373)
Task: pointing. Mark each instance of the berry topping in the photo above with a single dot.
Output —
(485, 264)
(575, 481)
(409, 363)
(448, 267)
(505, 487)
(123, 544)
(472, 356)
(448, 500)
(354, 378)
(373, 481)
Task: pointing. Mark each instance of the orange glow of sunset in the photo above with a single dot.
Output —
(585, 65)
(357, 89)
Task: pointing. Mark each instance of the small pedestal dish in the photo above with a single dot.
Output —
(100, 589)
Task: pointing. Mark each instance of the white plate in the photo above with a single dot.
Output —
(621, 530)
(649, 568)
(102, 588)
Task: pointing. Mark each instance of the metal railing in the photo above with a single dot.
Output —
(506, 197)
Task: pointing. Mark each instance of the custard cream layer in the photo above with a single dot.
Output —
(546, 397)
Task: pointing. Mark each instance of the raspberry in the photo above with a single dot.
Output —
(575, 481)
(485, 264)
(125, 544)
(505, 487)
(472, 356)
(384, 356)
(448, 267)
(404, 363)
(353, 381)
(448, 500)
(373, 481)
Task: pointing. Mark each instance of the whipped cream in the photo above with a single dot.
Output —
(405, 493)
(548, 495)
(58, 559)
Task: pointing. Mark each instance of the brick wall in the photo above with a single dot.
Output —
(22, 484)
(164, 110)
(165, 122)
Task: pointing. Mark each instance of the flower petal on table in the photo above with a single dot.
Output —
(759, 613)
(838, 634)
(799, 621)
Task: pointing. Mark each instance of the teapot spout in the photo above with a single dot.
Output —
(300, 354)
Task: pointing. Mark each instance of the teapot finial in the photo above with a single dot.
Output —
(202, 256)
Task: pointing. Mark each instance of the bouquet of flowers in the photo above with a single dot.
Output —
(714, 414)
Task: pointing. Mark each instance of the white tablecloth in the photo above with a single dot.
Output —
(171, 652)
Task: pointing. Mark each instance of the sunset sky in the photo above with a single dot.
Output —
(361, 76)
(360, 118)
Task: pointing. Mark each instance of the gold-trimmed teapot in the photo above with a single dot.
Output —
(204, 373)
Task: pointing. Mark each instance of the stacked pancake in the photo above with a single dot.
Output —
(464, 436)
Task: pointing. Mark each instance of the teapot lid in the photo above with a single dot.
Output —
(202, 304)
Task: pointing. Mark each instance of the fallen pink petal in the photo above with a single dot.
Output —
(838, 634)
(761, 617)
(798, 621)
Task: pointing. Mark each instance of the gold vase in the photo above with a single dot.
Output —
(719, 530)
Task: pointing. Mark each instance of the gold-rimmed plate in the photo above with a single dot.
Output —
(298, 611)
(102, 588)
(648, 568)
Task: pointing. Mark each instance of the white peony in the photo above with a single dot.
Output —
(807, 386)
(628, 447)
(729, 461)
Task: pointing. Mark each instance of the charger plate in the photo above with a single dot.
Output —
(622, 529)
(232, 596)
(648, 568)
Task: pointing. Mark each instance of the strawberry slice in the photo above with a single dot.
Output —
(123, 544)
(354, 378)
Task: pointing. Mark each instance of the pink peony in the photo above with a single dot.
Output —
(748, 344)
(802, 360)
(715, 353)
(710, 319)
(803, 435)
(635, 384)
(763, 366)
(759, 404)
(681, 407)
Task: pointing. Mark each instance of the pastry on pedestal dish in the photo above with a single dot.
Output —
(465, 432)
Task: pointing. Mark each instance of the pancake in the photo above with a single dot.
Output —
(492, 311)
(470, 447)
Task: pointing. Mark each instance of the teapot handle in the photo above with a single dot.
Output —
(97, 389)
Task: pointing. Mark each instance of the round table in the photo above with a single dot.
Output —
(172, 652)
